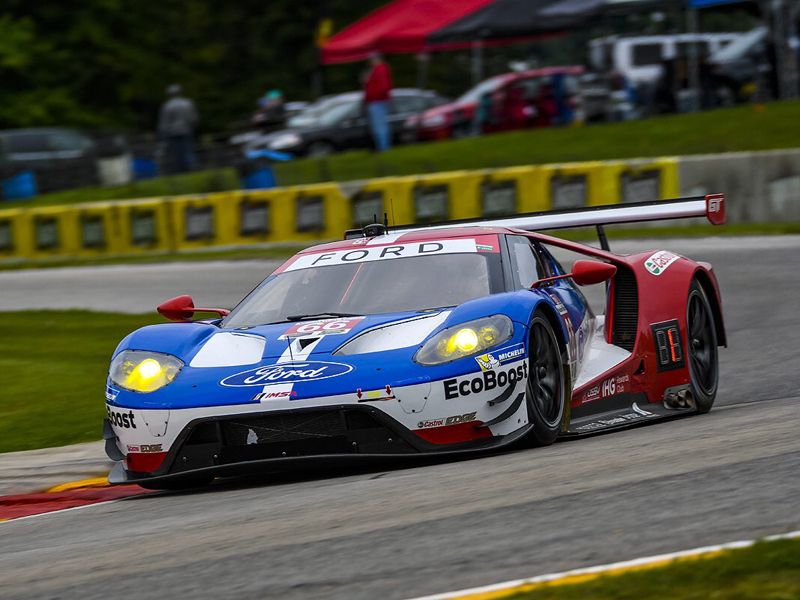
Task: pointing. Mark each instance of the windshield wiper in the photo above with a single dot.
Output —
(435, 308)
(319, 316)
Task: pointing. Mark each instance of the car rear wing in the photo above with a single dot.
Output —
(711, 206)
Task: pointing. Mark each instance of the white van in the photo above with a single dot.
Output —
(639, 58)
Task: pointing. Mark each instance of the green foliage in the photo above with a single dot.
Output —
(106, 63)
(53, 367)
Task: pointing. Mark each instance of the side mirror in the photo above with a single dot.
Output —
(584, 272)
(182, 308)
(589, 272)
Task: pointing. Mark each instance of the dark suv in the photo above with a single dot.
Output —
(60, 158)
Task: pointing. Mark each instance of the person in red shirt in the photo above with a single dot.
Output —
(377, 92)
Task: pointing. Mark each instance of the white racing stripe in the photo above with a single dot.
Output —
(618, 566)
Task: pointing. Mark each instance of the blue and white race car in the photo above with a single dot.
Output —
(413, 341)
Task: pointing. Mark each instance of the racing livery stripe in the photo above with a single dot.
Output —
(451, 434)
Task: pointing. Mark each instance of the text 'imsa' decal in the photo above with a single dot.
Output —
(658, 262)
(290, 372)
(369, 254)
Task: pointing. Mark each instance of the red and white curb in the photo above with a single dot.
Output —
(65, 497)
(507, 588)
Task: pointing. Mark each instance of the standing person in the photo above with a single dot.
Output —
(377, 92)
(176, 123)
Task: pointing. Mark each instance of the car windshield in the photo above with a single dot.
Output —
(484, 87)
(382, 286)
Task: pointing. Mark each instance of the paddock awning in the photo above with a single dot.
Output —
(402, 26)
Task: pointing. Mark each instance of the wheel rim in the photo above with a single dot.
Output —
(544, 382)
(702, 345)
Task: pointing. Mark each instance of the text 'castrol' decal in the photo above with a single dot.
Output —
(322, 327)
(658, 262)
(290, 372)
(373, 253)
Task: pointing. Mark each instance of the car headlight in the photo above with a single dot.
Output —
(287, 140)
(467, 339)
(143, 371)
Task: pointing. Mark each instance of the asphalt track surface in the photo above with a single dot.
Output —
(408, 530)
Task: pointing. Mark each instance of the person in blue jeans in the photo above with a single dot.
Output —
(377, 94)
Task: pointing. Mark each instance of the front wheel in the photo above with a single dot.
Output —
(546, 393)
(701, 337)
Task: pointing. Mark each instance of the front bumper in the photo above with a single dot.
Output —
(280, 440)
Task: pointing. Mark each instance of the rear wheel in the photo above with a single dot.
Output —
(546, 392)
(701, 335)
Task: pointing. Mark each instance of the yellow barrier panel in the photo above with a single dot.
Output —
(14, 238)
(254, 216)
(196, 220)
(52, 231)
(643, 180)
(312, 213)
(436, 197)
(370, 199)
(98, 229)
(576, 185)
(145, 226)
(512, 190)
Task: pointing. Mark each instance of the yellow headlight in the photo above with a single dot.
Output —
(465, 340)
(142, 371)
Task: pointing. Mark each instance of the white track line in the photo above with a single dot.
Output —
(637, 562)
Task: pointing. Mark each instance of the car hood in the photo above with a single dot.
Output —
(227, 367)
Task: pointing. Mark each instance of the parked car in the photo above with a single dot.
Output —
(60, 158)
(640, 58)
(531, 98)
(339, 122)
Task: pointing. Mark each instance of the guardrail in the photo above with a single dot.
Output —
(322, 211)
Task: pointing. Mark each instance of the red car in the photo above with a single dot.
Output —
(534, 98)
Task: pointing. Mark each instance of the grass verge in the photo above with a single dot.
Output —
(764, 571)
(217, 180)
(287, 250)
(742, 128)
(53, 367)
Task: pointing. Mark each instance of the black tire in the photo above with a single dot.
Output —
(319, 149)
(547, 392)
(701, 348)
(177, 485)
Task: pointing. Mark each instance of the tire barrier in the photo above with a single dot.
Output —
(310, 213)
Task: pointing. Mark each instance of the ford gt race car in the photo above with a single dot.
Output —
(411, 341)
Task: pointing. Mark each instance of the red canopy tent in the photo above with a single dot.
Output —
(403, 26)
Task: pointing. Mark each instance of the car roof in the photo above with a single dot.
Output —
(410, 237)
